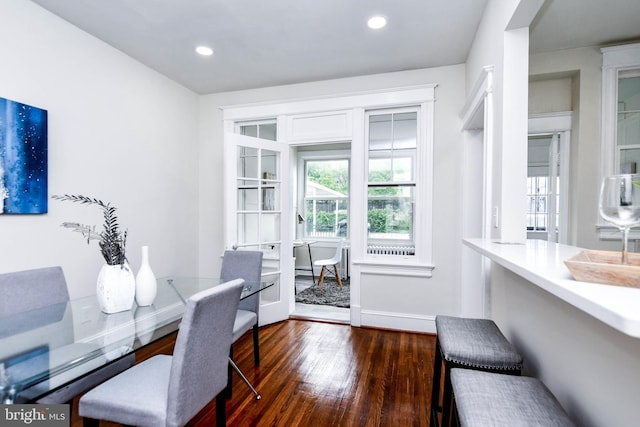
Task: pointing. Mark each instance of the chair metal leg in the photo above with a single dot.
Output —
(228, 390)
(235, 368)
(221, 409)
(90, 422)
(256, 345)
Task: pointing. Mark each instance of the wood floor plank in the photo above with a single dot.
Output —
(323, 374)
(326, 374)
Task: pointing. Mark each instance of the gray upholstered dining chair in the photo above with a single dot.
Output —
(246, 265)
(170, 390)
(27, 290)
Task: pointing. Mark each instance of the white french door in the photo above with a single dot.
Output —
(257, 216)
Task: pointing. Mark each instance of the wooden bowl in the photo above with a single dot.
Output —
(605, 267)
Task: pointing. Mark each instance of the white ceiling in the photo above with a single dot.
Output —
(259, 43)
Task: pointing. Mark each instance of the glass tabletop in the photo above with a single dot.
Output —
(188, 286)
(44, 349)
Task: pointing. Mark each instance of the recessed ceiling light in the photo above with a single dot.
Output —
(377, 22)
(204, 50)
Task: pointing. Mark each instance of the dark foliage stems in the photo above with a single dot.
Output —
(112, 240)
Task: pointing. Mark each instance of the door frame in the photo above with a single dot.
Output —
(558, 123)
(478, 131)
(278, 309)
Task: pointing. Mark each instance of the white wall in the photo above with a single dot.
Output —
(553, 94)
(410, 297)
(591, 368)
(586, 64)
(502, 40)
(118, 131)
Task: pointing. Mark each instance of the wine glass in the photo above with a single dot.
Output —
(620, 204)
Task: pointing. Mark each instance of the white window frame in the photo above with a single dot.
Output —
(303, 158)
(615, 59)
(423, 187)
(413, 183)
(272, 121)
(419, 265)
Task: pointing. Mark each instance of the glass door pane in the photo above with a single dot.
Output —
(259, 208)
(256, 217)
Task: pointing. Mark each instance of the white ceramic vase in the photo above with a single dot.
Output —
(146, 284)
(116, 288)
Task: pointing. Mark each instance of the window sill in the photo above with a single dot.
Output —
(395, 267)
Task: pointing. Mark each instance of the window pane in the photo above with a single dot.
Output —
(628, 94)
(380, 132)
(267, 131)
(390, 213)
(269, 164)
(629, 160)
(324, 177)
(628, 132)
(249, 130)
(380, 168)
(259, 130)
(247, 228)
(393, 140)
(270, 227)
(629, 128)
(247, 162)
(403, 169)
(405, 130)
(247, 196)
(326, 198)
(537, 208)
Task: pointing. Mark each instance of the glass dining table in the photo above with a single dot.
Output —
(45, 349)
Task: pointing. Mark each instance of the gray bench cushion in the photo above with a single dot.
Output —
(490, 399)
(476, 343)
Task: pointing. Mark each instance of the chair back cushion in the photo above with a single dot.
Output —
(245, 265)
(27, 290)
(200, 357)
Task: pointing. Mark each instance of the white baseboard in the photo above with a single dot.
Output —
(398, 321)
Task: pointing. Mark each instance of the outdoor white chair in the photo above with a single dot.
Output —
(335, 262)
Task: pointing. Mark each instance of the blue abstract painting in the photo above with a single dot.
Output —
(23, 158)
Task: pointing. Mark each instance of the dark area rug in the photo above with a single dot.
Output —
(330, 294)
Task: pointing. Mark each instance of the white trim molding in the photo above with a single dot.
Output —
(550, 122)
(369, 99)
(387, 266)
(614, 60)
(398, 321)
(329, 119)
(472, 113)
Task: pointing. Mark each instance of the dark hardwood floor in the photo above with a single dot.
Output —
(323, 374)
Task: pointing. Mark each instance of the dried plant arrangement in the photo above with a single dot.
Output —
(111, 239)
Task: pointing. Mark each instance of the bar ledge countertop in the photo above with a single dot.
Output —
(542, 264)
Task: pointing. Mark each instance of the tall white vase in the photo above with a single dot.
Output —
(116, 288)
(146, 284)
